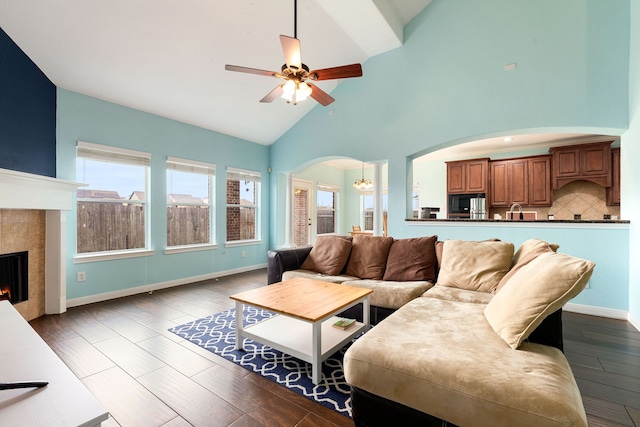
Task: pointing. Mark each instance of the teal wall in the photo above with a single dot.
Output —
(447, 85)
(88, 119)
(630, 159)
(608, 286)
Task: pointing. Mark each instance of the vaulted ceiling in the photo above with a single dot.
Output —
(167, 57)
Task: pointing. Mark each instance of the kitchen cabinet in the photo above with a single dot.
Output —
(540, 181)
(468, 176)
(509, 182)
(613, 192)
(524, 180)
(590, 162)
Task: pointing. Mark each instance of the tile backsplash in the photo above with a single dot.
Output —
(585, 198)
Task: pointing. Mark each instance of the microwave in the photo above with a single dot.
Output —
(460, 205)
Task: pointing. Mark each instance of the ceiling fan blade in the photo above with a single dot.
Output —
(275, 93)
(291, 49)
(251, 70)
(343, 72)
(319, 95)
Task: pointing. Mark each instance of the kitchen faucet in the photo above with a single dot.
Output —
(513, 206)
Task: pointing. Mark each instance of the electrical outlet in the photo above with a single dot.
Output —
(242, 254)
(82, 276)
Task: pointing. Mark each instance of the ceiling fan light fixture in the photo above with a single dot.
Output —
(295, 92)
(295, 72)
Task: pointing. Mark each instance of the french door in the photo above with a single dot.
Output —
(302, 214)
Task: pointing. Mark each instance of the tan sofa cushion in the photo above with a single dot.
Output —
(392, 294)
(317, 276)
(476, 266)
(535, 291)
(443, 358)
(532, 245)
(457, 294)
(328, 255)
(412, 259)
(368, 257)
(527, 252)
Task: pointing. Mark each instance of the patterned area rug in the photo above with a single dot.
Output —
(216, 333)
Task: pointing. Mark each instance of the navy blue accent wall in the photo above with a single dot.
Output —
(27, 113)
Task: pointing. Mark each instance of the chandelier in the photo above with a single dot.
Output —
(363, 184)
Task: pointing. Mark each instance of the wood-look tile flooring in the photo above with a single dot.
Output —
(147, 376)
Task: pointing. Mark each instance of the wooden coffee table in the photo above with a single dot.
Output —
(306, 309)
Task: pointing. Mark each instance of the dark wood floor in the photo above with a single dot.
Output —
(147, 376)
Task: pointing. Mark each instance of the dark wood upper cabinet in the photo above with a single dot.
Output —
(590, 162)
(524, 180)
(613, 192)
(468, 176)
(509, 182)
(540, 181)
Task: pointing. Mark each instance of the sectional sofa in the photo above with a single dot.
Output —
(467, 333)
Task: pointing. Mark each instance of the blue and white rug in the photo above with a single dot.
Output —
(216, 333)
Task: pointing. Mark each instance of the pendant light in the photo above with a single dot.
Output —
(363, 184)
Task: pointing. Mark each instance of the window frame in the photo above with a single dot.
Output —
(329, 188)
(195, 167)
(385, 206)
(244, 175)
(118, 155)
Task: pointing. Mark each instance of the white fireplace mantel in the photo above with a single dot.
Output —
(20, 190)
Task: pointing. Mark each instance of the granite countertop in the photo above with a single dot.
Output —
(537, 221)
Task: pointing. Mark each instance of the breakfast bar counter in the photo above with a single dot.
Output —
(537, 223)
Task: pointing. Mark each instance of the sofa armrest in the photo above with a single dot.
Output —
(281, 260)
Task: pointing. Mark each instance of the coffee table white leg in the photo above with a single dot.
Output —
(239, 321)
(366, 310)
(316, 363)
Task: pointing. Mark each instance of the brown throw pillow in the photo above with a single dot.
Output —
(328, 255)
(529, 251)
(535, 291)
(412, 259)
(368, 256)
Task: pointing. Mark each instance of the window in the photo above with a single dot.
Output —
(112, 210)
(367, 208)
(327, 208)
(243, 203)
(190, 190)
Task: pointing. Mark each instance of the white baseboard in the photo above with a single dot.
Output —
(157, 286)
(611, 313)
(634, 321)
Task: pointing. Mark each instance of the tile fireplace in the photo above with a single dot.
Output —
(14, 277)
(33, 219)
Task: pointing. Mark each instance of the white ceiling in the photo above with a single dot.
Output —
(167, 57)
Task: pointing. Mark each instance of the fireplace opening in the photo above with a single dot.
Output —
(14, 277)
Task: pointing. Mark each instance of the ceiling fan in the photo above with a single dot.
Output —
(296, 88)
